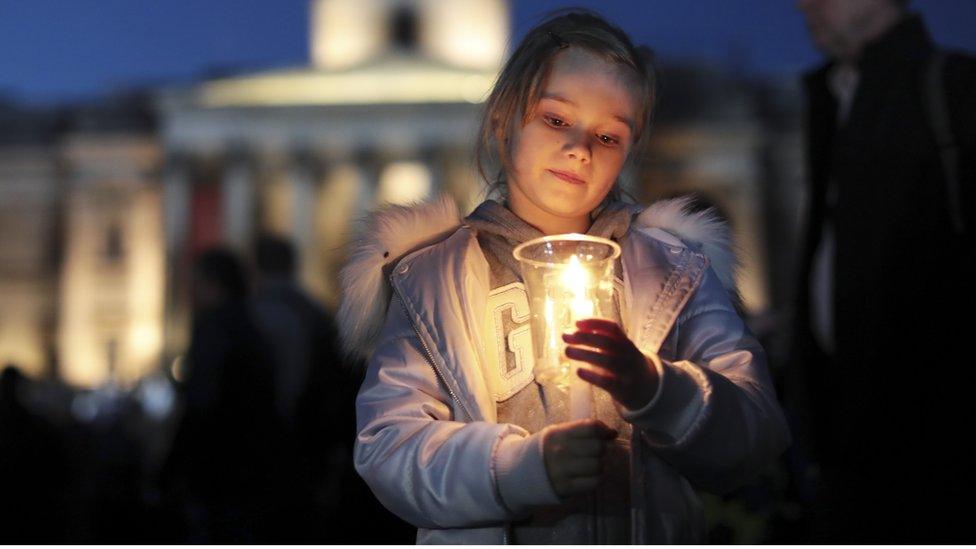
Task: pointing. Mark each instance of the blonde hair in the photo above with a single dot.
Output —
(521, 82)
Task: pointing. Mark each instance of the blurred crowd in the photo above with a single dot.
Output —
(257, 449)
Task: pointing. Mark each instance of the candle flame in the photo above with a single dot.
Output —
(576, 279)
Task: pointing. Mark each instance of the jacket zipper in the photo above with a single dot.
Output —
(429, 355)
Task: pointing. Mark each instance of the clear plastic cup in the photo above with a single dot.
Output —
(567, 278)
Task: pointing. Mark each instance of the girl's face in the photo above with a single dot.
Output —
(568, 155)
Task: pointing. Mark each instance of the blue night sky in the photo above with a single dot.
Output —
(58, 50)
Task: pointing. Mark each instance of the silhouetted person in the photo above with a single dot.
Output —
(33, 471)
(886, 288)
(301, 338)
(315, 397)
(227, 445)
(300, 332)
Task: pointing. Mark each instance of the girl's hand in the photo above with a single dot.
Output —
(572, 453)
(619, 367)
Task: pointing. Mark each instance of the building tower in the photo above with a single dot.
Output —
(386, 112)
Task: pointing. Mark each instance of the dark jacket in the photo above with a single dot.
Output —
(894, 391)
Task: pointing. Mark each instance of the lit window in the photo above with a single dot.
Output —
(404, 183)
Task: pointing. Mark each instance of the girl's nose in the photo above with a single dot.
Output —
(577, 147)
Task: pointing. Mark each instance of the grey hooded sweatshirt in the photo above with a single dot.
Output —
(602, 516)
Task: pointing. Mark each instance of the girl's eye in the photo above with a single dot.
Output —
(609, 141)
(555, 122)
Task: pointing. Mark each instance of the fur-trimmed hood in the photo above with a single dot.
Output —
(394, 232)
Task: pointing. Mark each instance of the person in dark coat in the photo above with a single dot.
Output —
(315, 392)
(304, 354)
(34, 470)
(225, 456)
(886, 280)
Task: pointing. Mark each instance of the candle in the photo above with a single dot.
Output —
(575, 280)
(580, 398)
(568, 278)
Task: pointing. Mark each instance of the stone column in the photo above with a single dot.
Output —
(436, 162)
(176, 178)
(302, 181)
(342, 200)
(369, 168)
(176, 203)
(237, 202)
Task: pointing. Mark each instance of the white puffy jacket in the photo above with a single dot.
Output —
(428, 443)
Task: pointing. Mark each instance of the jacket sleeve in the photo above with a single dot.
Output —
(425, 465)
(715, 417)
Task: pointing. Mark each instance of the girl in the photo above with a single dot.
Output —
(455, 436)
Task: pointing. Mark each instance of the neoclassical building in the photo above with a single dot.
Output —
(101, 220)
(81, 244)
(386, 113)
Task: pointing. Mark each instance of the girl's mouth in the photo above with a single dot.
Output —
(567, 177)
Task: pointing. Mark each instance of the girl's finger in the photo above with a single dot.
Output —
(587, 448)
(583, 467)
(606, 343)
(602, 379)
(589, 429)
(601, 325)
(591, 357)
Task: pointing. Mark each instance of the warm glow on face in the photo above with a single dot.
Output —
(568, 155)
